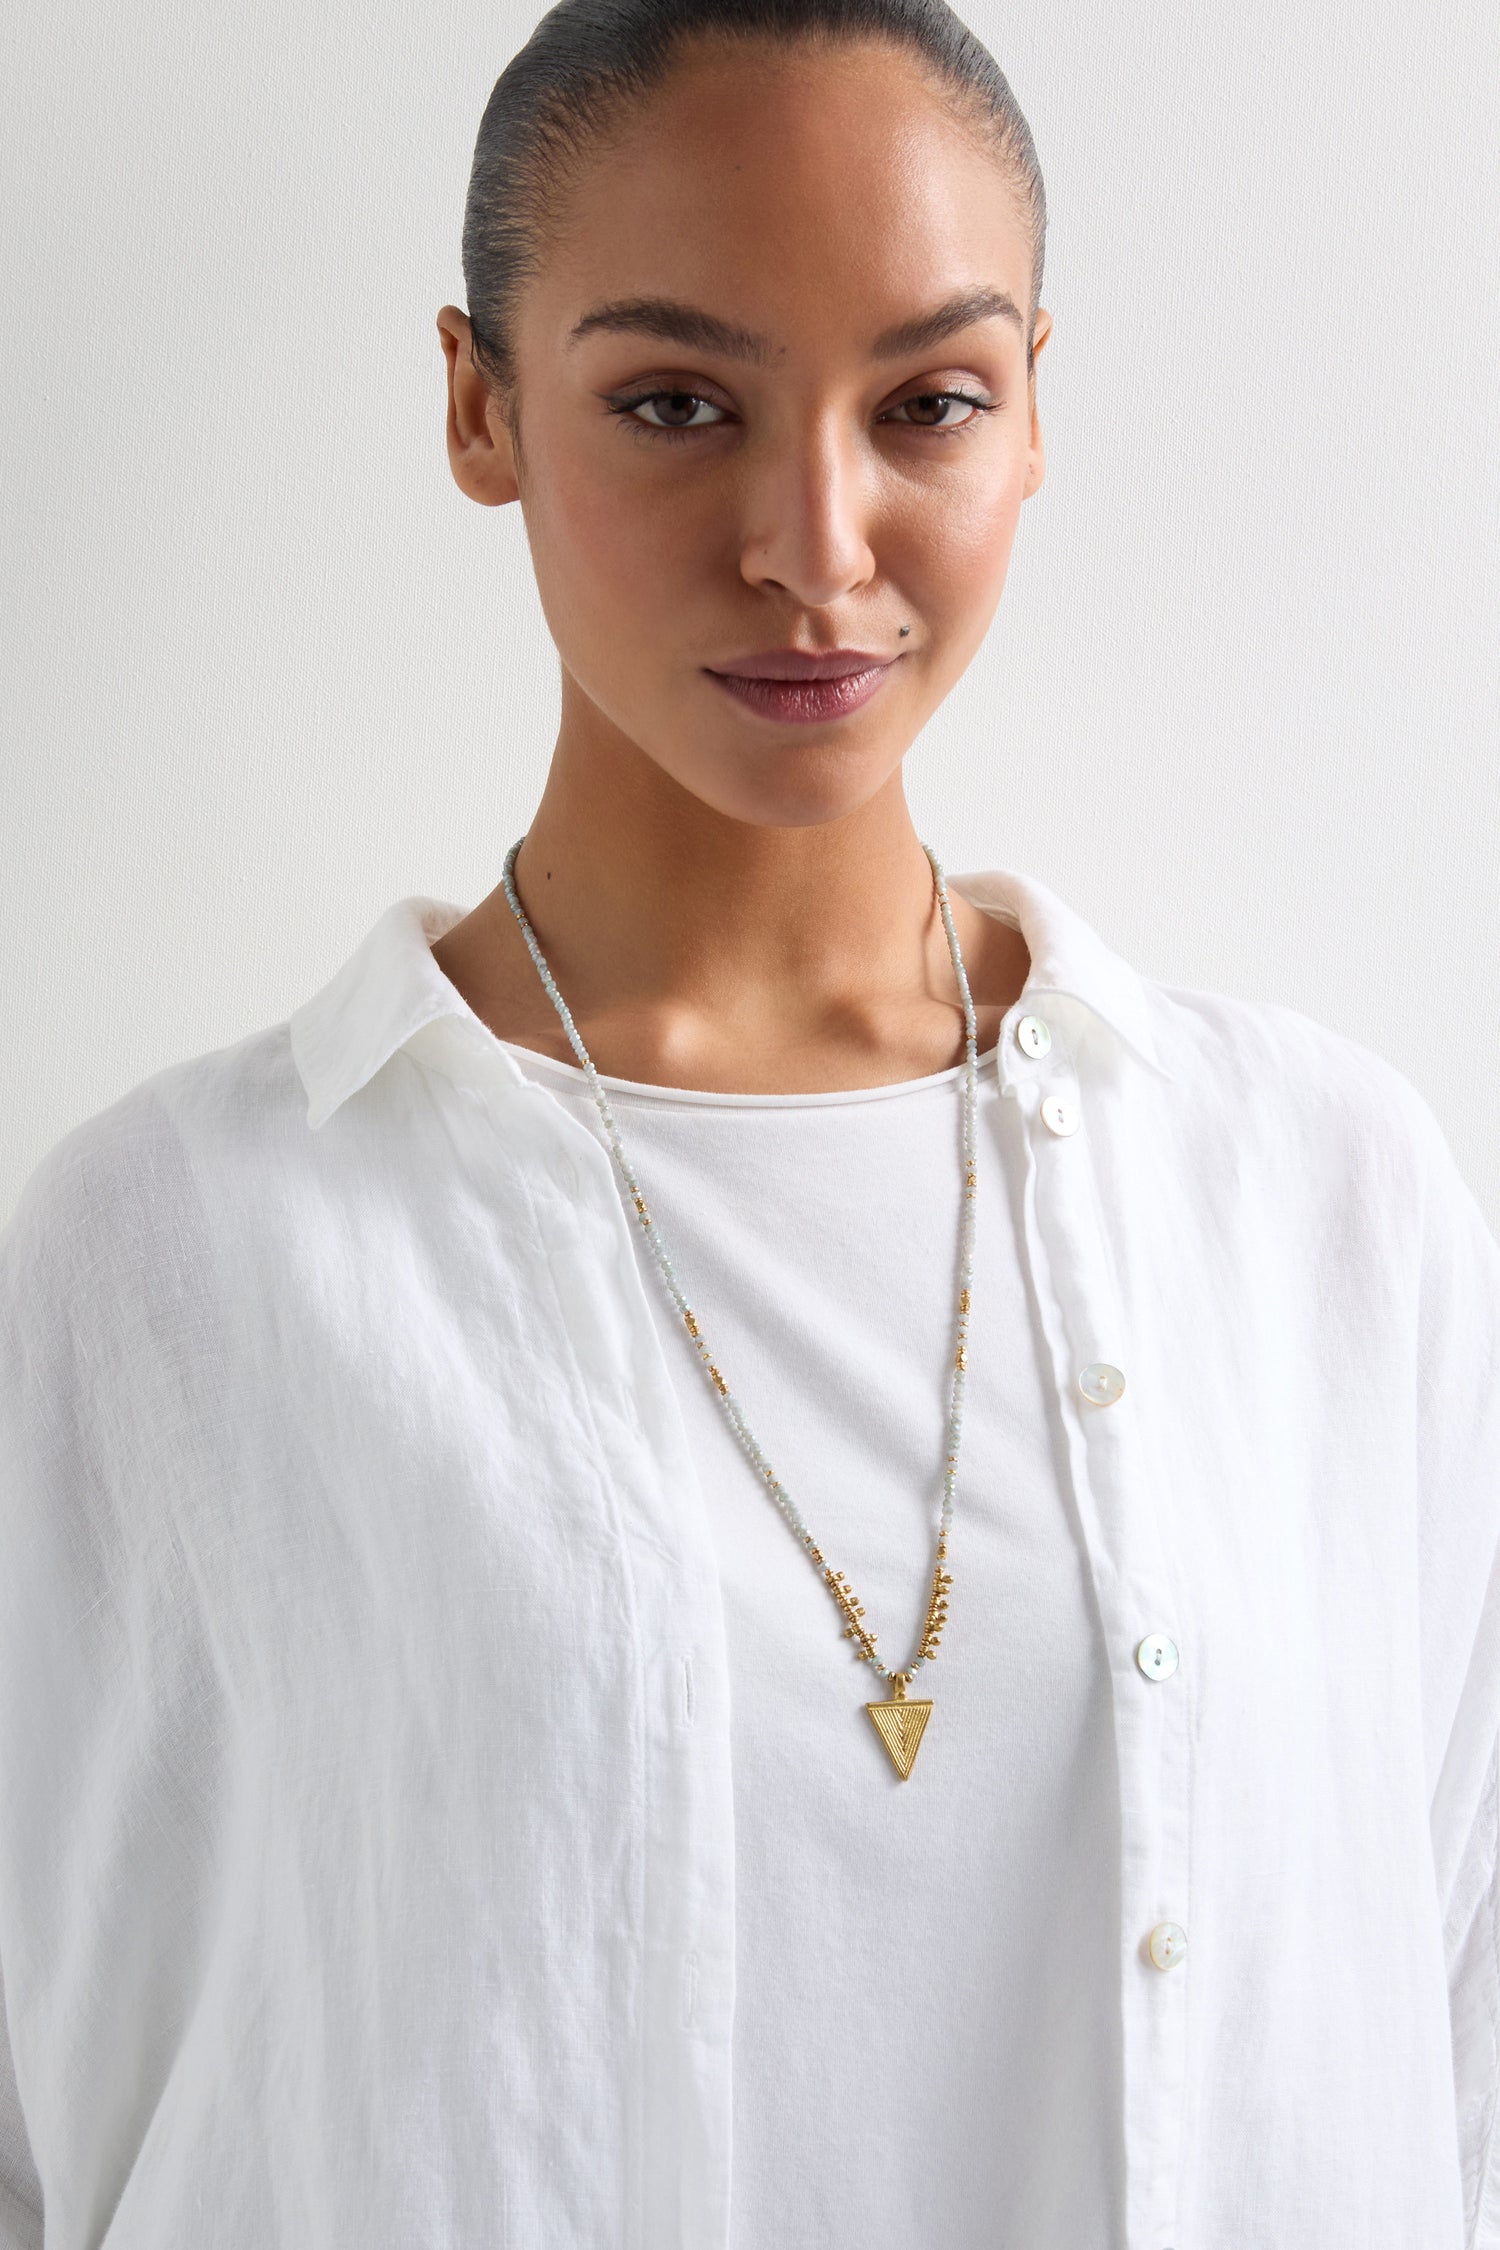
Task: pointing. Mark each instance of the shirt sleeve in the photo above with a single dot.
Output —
(20, 2189)
(1458, 1491)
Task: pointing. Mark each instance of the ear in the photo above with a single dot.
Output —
(1036, 461)
(479, 448)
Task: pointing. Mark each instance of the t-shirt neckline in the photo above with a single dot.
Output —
(636, 1089)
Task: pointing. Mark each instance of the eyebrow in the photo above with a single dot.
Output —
(703, 331)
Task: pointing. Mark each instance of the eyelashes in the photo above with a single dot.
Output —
(626, 408)
(963, 398)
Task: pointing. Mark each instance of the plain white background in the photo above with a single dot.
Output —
(267, 670)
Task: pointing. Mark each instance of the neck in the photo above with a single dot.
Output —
(656, 895)
(694, 949)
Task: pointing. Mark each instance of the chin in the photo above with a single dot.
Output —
(808, 800)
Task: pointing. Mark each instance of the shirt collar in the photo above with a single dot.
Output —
(390, 987)
(1069, 956)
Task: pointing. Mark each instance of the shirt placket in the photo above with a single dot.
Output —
(1104, 1416)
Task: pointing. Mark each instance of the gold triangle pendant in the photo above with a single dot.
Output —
(900, 1726)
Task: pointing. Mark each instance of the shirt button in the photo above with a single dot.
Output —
(1101, 1384)
(1168, 1944)
(1033, 1036)
(1157, 1656)
(1059, 1115)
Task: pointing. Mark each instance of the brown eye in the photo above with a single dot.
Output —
(675, 408)
(931, 410)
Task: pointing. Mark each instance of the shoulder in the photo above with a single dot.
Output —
(1265, 1073)
(114, 1220)
(1312, 1140)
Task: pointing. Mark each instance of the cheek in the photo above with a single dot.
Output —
(582, 539)
(621, 576)
(617, 570)
(958, 543)
(599, 531)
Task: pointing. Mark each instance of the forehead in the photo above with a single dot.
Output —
(778, 183)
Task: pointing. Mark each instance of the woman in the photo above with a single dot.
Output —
(438, 1803)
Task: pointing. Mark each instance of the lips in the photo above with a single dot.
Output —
(793, 664)
(838, 684)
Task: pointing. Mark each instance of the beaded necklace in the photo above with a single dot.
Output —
(900, 1722)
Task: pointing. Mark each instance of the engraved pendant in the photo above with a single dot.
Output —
(900, 1726)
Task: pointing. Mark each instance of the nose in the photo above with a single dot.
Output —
(808, 503)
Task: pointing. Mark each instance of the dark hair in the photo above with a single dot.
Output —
(587, 61)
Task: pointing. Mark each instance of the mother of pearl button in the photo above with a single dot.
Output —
(1033, 1036)
(1059, 1115)
(1101, 1384)
(1157, 1656)
(1168, 1944)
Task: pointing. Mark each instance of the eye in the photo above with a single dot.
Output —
(680, 407)
(930, 400)
(676, 413)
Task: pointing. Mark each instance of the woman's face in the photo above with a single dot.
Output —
(726, 449)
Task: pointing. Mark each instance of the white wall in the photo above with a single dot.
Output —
(267, 670)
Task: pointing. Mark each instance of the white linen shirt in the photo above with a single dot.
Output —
(366, 1831)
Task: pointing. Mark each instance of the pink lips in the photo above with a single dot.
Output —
(787, 684)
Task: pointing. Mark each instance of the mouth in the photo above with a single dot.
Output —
(805, 701)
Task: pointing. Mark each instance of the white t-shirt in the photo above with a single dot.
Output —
(908, 1959)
